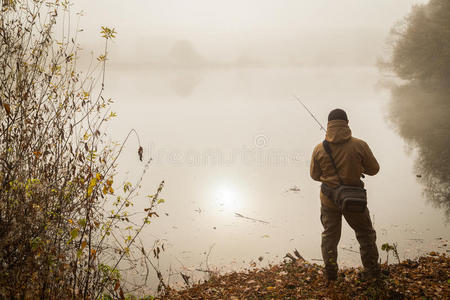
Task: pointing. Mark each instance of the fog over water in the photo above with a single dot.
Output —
(209, 87)
(287, 32)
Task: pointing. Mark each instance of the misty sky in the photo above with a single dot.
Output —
(320, 31)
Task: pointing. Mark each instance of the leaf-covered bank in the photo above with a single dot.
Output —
(425, 278)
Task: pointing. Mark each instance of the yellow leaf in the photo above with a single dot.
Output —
(101, 57)
(91, 186)
(98, 176)
(270, 288)
(74, 233)
(93, 182)
(83, 245)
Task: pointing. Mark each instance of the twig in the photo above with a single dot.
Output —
(248, 218)
(186, 279)
(205, 271)
(350, 250)
(297, 256)
(207, 256)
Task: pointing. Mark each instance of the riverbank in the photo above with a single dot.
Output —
(427, 277)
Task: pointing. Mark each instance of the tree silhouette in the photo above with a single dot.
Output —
(420, 107)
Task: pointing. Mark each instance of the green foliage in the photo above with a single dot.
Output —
(57, 173)
(108, 33)
(388, 248)
(109, 273)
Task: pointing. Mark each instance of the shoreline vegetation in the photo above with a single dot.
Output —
(427, 277)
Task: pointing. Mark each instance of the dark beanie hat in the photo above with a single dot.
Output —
(337, 114)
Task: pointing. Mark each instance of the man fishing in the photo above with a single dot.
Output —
(340, 162)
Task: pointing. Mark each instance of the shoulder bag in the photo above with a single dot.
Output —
(347, 197)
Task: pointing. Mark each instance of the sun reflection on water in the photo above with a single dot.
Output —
(227, 198)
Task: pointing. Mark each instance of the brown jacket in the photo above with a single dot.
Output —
(351, 155)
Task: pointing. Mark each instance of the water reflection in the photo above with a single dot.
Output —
(227, 197)
(183, 54)
(184, 83)
(422, 119)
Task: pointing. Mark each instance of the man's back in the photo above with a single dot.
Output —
(351, 155)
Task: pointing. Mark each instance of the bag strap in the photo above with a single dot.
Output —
(327, 148)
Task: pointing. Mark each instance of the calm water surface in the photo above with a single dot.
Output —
(236, 141)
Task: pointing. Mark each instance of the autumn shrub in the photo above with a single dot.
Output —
(64, 231)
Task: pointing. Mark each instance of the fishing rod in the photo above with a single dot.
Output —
(315, 119)
(321, 127)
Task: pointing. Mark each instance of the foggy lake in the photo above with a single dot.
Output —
(210, 90)
(232, 143)
(163, 148)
